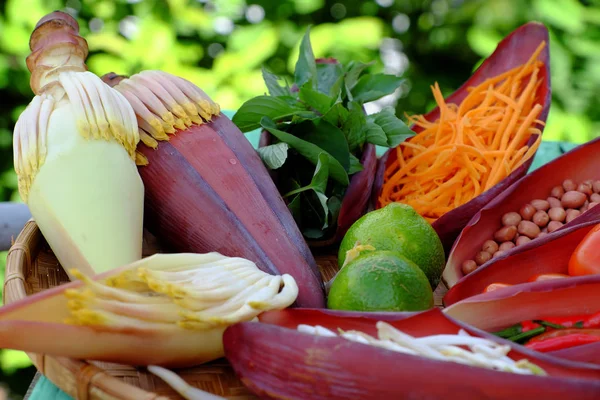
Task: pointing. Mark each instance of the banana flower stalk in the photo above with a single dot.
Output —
(167, 310)
(74, 155)
(197, 166)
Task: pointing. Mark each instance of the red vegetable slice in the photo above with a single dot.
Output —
(549, 254)
(277, 362)
(579, 164)
(586, 257)
(499, 309)
(513, 51)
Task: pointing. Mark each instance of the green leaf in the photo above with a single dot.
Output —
(274, 155)
(318, 184)
(373, 87)
(354, 70)
(328, 137)
(330, 77)
(353, 126)
(248, 116)
(306, 67)
(272, 83)
(315, 99)
(394, 128)
(295, 207)
(336, 115)
(374, 134)
(308, 150)
(355, 165)
(334, 204)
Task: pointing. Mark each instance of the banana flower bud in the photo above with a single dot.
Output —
(74, 155)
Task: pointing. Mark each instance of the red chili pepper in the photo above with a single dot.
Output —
(563, 339)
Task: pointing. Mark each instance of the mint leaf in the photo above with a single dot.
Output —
(272, 83)
(315, 99)
(374, 134)
(274, 155)
(353, 126)
(373, 87)
(394, 128)
(306, 67)
(355, 165)
(247, 117)
(330, 77)
(308, 150)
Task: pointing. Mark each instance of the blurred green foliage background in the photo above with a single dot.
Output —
(221, 46)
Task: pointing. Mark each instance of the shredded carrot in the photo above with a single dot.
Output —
(471, 147)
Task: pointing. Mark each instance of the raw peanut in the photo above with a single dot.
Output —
(528, 229)
(595, 198)
(589, 182)
(557, 214)
(469, 266)
(541, 218)
(596, 186)
(557, 191)
(584, 207)
(542, 234)
(511, 219)
(540, 204)
(573, 199)
(569, 185)
(498, 253)
(527, 211)
(482, 257)
(505, 234)
(522, 240)
(554, 201)
(490, 246)
(506, 246)
(583, 188)
(554, 225)
(572, 214)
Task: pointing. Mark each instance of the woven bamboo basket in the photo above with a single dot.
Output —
(31, 267)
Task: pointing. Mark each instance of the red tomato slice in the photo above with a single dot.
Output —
(585, 260)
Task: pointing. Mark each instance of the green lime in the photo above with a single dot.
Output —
(398, 227)
(380, 281)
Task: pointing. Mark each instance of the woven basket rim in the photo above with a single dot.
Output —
(77, 378)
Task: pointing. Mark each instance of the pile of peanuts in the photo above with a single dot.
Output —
(538, 218)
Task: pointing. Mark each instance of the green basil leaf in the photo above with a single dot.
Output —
(330, 77)
(353, 126)
(306, 67)
(272, 82)
(354, 70)
(318, 184)
(336, 115)
(308, 150)
(355, 165)
(315, 99)
(248, 116)
(274, 155)
(394, 128)
(328, 137)
(373, 87)
(374, 134)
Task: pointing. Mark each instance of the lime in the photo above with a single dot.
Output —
(380, 281)
(398, 227)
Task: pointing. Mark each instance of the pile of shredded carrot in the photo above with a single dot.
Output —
(470, 147)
